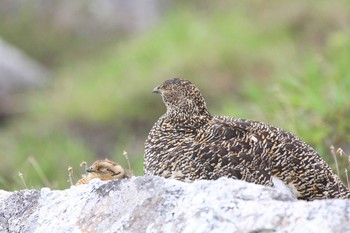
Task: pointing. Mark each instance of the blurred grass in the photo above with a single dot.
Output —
(282, 63)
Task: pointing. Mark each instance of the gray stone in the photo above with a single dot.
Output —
(18, 71)
(154, 204)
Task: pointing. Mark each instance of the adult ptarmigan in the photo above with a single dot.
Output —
(188, 143)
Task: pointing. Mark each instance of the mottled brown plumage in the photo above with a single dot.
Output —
(103, 170)
(188, 143)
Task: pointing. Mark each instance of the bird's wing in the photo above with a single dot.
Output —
(234, 151)
(293, 161)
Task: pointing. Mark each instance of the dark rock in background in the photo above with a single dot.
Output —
(18, 73)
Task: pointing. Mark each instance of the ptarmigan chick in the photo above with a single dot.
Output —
(188, 143)
(103, 170)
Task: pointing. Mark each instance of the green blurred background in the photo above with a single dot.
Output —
(284, 63)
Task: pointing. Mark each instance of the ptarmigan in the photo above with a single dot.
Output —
(188, 143)
(103, 170)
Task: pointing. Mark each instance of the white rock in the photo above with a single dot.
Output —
(154, 204)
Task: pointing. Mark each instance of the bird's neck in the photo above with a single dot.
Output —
(183, 120)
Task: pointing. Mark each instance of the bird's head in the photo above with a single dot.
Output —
(105, 170)
(181, 96)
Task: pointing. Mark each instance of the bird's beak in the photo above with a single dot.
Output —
(89, 170)
(156, 90)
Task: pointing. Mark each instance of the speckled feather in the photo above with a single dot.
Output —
(188, 143)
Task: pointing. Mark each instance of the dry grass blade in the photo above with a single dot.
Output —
(83, 164)
(70, 175)
(340, 152)
(125, 154)
(347, 178)
(32, 161)
(22, 179)
(335, 159)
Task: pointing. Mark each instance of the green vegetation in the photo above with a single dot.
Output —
(284, 64)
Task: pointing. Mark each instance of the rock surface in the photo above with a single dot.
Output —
(154, 204)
